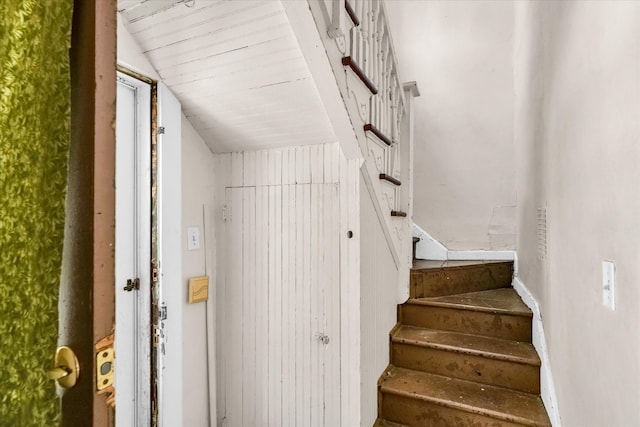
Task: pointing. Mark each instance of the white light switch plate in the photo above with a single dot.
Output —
(609, 284)
(193, 238)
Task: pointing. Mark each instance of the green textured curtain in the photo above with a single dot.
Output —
(34, 141)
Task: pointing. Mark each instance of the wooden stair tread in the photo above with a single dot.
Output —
(493, 348)
(384, 423)
(495, 402)
(499, 301)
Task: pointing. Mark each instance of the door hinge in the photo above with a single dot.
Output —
(162, 314)
(154, 271)
(226, 213)
(161, 130)
(156, 335)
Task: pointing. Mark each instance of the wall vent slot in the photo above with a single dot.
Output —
(542, 232)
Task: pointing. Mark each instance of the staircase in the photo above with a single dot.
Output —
(461, 352)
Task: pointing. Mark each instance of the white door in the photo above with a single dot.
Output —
(279, 312)
(132, 253)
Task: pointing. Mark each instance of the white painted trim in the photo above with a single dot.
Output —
(547, 388)
(170, 406)
(481, 255)
(428, 247)
(304, 27)
(381, 215)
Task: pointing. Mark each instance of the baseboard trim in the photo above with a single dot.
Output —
(428, 247)
(547, 388)
(481, 255)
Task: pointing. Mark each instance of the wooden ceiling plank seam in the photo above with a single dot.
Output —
(239, 36)
(242, 83)
(283, 116)
(149, 8)
(237, 74)
(152, 23)
(158, 37)
(220, 109)
(234, 57)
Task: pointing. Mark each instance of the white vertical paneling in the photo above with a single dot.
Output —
(331, 266)
(287, 404)
(378, 304)
(331, 162)
(305, 228)
(274, 310)
(303, 171)
(248, 289)
(275, 167)
(249, 169)
(233, 305)
(281, 289)
(261, 297)
(302, 415)
(316, 159)
(350, 292)
(315, 301)
(237, 169)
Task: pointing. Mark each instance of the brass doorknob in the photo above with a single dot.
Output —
(67, 368)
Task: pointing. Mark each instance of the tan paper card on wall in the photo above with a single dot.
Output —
(198, 289)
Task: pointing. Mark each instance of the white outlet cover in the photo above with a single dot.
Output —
(193, 238)
(609, 284)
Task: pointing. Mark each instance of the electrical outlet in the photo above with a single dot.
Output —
(608, 284)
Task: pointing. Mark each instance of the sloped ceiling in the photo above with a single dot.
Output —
(235, 66)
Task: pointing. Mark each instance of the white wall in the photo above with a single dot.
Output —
(460, 53)
(197, 191)
(577, 88)
(130, 54)
(378, 296)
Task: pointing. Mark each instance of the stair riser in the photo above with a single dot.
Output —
(468, 367)
(418, 413)
(458, 280)
(471, 322)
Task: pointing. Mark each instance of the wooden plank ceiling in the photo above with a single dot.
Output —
(236, 67)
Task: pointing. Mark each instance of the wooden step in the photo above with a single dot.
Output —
(421, 399)
(438, 278)
(498, 313)
(384, 423)
(498, 362)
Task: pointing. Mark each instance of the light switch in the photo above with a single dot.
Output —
(193, 238)
(608, 284)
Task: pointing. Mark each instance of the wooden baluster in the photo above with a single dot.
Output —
(366, 28)
(376, 43)
(388, 64)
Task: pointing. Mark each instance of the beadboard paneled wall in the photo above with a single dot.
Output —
(379, 290)
(281, 231)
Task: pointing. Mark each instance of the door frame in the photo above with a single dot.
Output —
(132, 325)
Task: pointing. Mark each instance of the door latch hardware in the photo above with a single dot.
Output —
(105, 369)
(132, 284)
(67, 368)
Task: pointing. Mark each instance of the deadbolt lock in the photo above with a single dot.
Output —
(67, 368)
